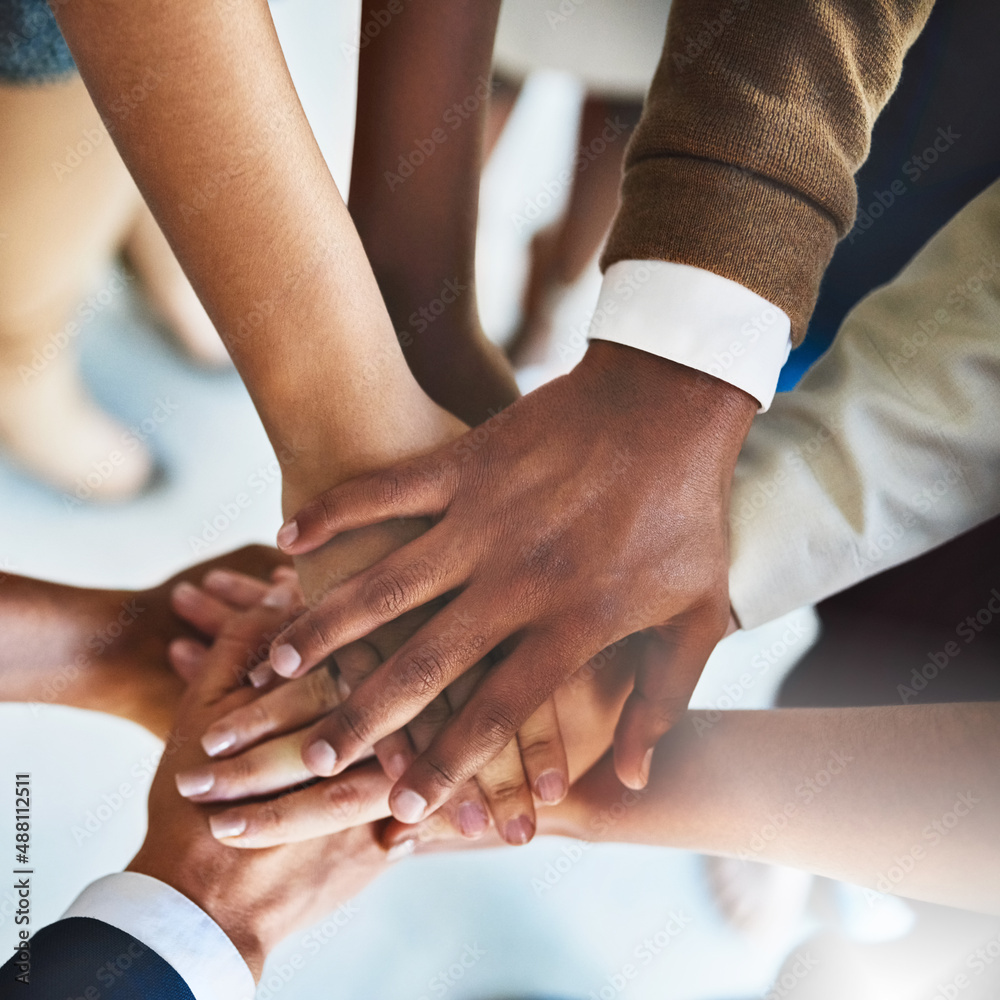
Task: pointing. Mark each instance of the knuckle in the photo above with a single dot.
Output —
(442, 772)
(341, 801)
(423, 673)
(390, 489)
(318, 634)
(388, 593)
(268, 816)
(496, 725)
(239, 770)
(354, 723)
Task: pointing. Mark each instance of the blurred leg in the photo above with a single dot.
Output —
(64, 204)
(560, 253)
(170, 293)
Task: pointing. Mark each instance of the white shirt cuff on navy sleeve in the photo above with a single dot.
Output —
(170, 924)
(696, 318)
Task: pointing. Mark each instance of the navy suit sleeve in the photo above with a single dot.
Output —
(84, 959)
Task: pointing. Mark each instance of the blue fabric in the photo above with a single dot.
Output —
(947, 95)
(81, 957)
(32, 47)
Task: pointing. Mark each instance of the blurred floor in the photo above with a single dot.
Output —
(552, 919)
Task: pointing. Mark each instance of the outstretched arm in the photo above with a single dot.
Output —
(415, 184)
(902, 799)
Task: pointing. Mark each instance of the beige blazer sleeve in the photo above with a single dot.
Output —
(890, 445)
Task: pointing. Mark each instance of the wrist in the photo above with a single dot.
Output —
(212, 896)
(681, 399)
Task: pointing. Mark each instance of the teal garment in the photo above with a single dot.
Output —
(32, 48)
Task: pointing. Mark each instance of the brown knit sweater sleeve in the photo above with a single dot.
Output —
(758, 117)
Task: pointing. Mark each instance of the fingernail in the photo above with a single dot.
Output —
(224, 827)
(518, 831)
(395, 767)
(187, 650)
(285, 660)
(287, 534)
(472, 819)
(320, 758)
(260, 675)
(279, 597)
(186, 593)
(646, 764)
(401, 850)
(408, 806)
(219, 579)
(550, 786)
(194, 783)
(215, 743)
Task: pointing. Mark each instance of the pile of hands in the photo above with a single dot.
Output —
(242, 825)
(247, 762)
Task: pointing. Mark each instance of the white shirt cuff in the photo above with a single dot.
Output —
(696, 318)
(178, 930)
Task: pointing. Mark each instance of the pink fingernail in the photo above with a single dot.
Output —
(279, 597)
(215, 743)
(285, 660)
(194, 783)
(186, 593)
(408, 807)
(320, 758)
(518, 831)
(260, 675)
(550, 786)
(472, 819)
(224, 827)
(287, 534)
(395, 767)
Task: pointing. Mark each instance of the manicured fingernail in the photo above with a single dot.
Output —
(395, 766)
(551, 786)
(186, 593)
(472, 819)
(279, 597)
(320, 758)
(408, 806)
(224, 827)
(215, 743)
(194, 783)
(287, 534)
(401, 850)
(518, 831)
(646, 764)
(260, 675)
(285, 659)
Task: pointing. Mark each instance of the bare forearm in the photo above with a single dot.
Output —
(222, 151)
(900, 799)
(423, 92)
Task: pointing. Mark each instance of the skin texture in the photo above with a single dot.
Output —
(301, 316)
(269, 732)
(104, 650)
(402, 108)
(625, 466)
(902, 799)
(257, 897)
